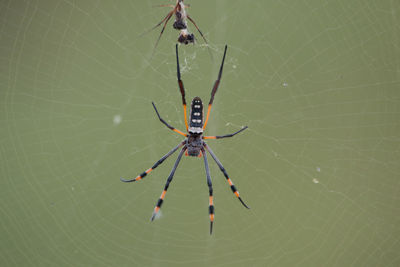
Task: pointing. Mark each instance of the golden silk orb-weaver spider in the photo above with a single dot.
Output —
(193, 144)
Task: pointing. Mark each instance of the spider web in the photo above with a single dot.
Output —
(317, 82)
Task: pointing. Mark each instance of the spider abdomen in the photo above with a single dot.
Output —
(194, 145)
(196, 116)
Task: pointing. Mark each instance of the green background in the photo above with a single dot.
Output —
(317, 82)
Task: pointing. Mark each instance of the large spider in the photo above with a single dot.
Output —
(193, 144)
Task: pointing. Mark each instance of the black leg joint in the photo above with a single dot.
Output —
(224, 171)
(233, 187)
(166, 186)
(156, 164)
(159, 203)
(211, 209)
(170, 127)
(143, 174)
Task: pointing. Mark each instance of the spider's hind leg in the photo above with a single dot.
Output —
(171, 175)
(210, 190)
(221, 167)
(142, 175)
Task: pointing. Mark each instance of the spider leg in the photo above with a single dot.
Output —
(142, 175)
(171, 175)
(168, 16)
(166, 124)
(210, 190)
(224, 136)
(194, 23)
(233, 187)
(163, 5)
(198, 29)
(215, 88)
(181, 87)
(166, 19)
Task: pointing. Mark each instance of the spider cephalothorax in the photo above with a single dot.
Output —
(180, 17)
(193, 144)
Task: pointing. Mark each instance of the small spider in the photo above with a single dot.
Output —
(193, 143)
(185, 37)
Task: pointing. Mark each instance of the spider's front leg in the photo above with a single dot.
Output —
(181, 86)
(215, 88)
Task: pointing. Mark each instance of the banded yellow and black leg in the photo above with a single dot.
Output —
(166, 124)
(171, 175)
(221, 167)
(215, 88)
(210, 190)
(225, 136)
(142, 175)
(181, 87)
